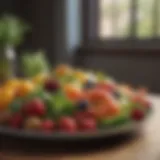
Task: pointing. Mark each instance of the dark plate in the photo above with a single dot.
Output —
(76, 136)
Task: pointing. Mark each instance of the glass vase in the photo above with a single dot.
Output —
(7, 63)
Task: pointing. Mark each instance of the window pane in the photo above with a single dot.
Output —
(145, 20)
(114, 18)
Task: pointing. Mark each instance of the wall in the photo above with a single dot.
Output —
(6, 6)
(139, 67)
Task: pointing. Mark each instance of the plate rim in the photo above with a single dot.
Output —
(106, 132)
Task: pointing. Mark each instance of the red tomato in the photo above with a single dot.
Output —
(100, 111)
(35, 107)
(67, 124)
(88, 124)
(113, 108)
(16, 121)
(110, 108)
(84, 114)
(73, 93)
(107, 86)
(137, 115)
(48, 125)
(97, 96)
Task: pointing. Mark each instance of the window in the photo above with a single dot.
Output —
(123, 19)
(117, 17)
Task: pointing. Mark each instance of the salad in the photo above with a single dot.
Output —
(70, 100)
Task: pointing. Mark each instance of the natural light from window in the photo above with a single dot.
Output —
(116, 18)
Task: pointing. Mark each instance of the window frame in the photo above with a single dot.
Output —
(90, 21)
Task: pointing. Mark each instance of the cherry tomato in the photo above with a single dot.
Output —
(48, 125)
(84, 115)
(100, 111)
(73, 93)
(137, 115)
(16, 120)
(113, 108)
(95, 94)
(35, 107)
(87, 124)
(67, 124)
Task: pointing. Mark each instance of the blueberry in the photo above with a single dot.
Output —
(82, 105)
(89, 84)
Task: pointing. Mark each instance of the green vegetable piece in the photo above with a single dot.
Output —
(59, 105)
(50, 108)
(34, 64)
(68, 109)
(38, 93)
(113, 121)
(16, 105)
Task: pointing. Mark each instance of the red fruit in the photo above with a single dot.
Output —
(97, 96)
(48, 125)
(16, 121)
(73, 93)
(67, 124)
(84, 114)
(88, 124)
(35, 107)
(51, 85)
(110, 87)
(137, 115)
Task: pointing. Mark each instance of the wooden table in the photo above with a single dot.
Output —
(144, 146)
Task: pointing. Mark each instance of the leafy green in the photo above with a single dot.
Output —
(59, 105)
(34, 64)
(113, 121)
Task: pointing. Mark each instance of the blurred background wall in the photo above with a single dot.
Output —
(57, 28)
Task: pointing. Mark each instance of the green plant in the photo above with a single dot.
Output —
(34, 63)
(12, 30)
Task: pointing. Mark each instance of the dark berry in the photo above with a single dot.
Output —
(137, 115)
(82, 105)
(51, 85)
